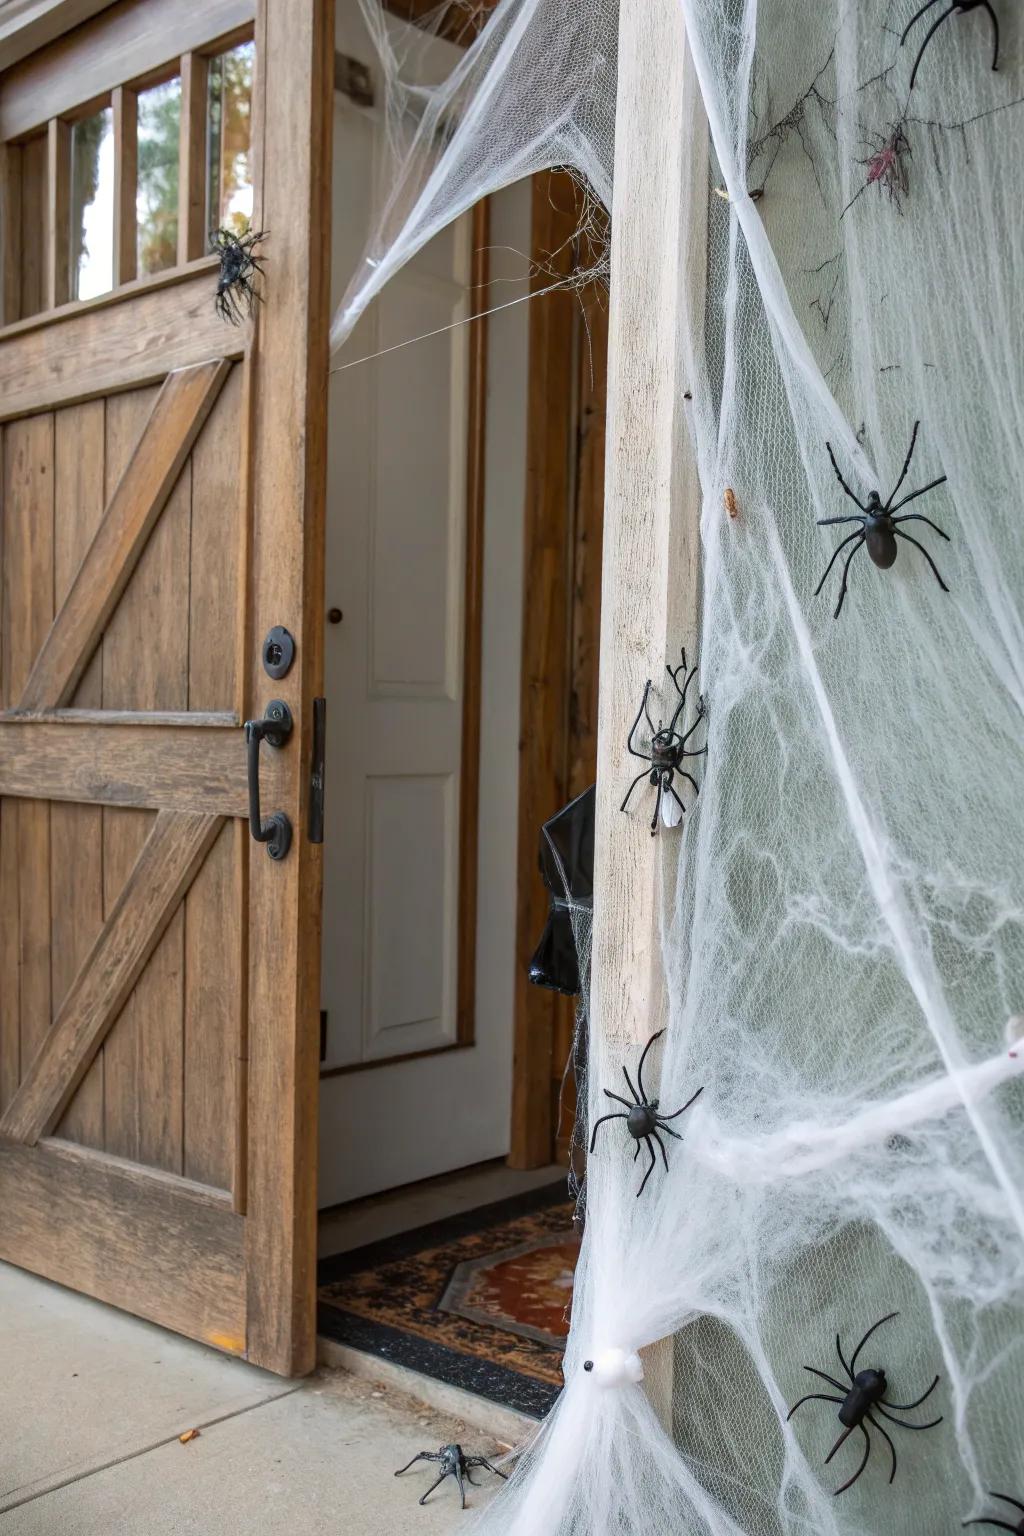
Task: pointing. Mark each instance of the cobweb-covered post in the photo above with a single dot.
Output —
(650, 590)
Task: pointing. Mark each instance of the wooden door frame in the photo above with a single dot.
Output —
(561, 579)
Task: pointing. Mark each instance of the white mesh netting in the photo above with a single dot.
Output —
(848, 943)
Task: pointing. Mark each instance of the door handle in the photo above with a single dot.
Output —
(275, 729)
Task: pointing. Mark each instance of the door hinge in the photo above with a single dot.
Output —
(316, 772)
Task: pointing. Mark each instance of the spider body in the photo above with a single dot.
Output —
(958, 8)
(879, 526)
(863, 1396)
(1016, 1529)
(453, 1462)
(667, 753)
(236, 293)
(643, 1119)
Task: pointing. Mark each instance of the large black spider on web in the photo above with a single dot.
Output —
(236, 294)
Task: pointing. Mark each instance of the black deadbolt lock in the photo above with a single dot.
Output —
(278, 652)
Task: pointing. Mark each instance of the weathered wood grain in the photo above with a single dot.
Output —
(178, 414)
(125, 105)
(10, 233)
(141, 1240)
(170, 858)
(58, 213)
(192, 231)
(128, 40)
(123, 340)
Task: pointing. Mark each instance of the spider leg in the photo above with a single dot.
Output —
(915, 18)
(618, 1098)
(682, 692)
(842, 1362)
(928, 37)
(842, 482)
(841, 1441)
(462, 1486)
(698, 722)
(835, 556)
(640, 1069)
(430, 1490)
(632, 731)
(998, 1525)
(661, 1147)
(919, 517)
(846, 574)
(685, 1107)
(888, 1440)
(995, 34)
(481, 1461)
(650, 1170)
(812, 1397)
(599, 1123)
(636, 1154)
(903, 1425)
(906, 1407)
(826, 1377)
(684, 775)
(935, 570)
(831, 522)
(915, 494)
(906, 466)
(629, 1085)
(873, 1329)
(668, 1130)
(634, 784)
(420, 1456)
(670, 790)
(867, 1452)
(657, 806)
(1004, 1498)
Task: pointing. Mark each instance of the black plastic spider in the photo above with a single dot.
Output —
(454, 1463)
(668, 749)
(1001, 1525)
(878, 528)
(958, 8)
(236, 295)
(867, 1390)
(643, 1122)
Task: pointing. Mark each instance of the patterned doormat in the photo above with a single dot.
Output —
(480, 1300)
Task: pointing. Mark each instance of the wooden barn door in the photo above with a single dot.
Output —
(161, 474)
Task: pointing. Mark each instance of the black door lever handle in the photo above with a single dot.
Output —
(275, 729)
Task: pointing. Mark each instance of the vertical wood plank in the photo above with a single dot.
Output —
(34, 155)
(126, 176)
(145, 666)
(76, 876)
(10, 233)
(28, 613)
(295, 50)
(10, 944)
(58, 213)
(544, 687)
(192, 158)
(214, 997)
(650, 590)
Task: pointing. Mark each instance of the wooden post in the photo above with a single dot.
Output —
(58, 212)
(650, 584)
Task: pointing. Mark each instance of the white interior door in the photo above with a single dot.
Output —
(396, 513)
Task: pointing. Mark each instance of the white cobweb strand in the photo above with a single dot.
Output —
(845, 957)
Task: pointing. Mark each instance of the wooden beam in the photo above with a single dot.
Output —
(159, 765)
(168, 863)
(650, 586)
(192, 231)
(293, 101)
(10, 233)
(126, 42)
(58, 213)
(152, 1244)
(125, 105)
(110, 344)
(178, 414)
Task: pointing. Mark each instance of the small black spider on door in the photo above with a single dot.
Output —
(668, 750)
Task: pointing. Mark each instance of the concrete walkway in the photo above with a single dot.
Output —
(92, 1403)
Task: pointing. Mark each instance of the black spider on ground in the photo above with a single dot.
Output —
(236, 294)
(1002, 1525)
(455, 1463)
(958, 8)
(878, 527)
(643, 1122)
(668, 749)
(866, 1391)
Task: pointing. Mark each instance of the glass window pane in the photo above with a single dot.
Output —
(229, 140)
(92, 205)
(156, 200)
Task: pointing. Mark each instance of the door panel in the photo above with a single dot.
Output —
(161, 482)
